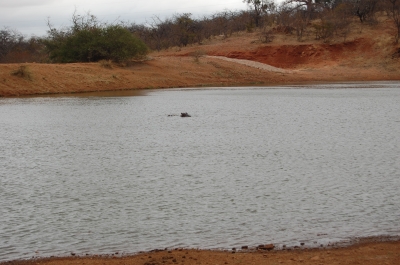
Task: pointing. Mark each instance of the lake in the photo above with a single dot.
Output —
(98, 174)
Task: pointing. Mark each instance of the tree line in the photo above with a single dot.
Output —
(88, 40)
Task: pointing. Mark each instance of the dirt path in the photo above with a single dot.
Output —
(254, 64)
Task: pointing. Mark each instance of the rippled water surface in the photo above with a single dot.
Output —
(251, 166)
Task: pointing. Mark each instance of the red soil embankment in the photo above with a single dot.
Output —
(301, 55)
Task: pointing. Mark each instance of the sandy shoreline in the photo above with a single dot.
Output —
(372, 250)
(172, 72)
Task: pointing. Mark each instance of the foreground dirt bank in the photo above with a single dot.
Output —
(386, 253)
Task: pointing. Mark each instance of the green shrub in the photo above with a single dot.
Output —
(89, 41)
(324, 30)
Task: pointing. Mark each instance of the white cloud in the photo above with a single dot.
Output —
(24, 3)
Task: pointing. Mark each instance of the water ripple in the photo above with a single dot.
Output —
(251, 166)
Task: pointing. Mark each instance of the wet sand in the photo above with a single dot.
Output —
(368, 253)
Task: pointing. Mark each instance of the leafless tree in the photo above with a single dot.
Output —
(333, 22)
(363, 9)
(393, 9)
(303, 3)
(16, 48)
(313, 7)
(259, 7)
(239, 20)
(9, 40)
(158, 32)
(221, 22)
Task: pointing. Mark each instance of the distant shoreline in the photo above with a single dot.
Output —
(143, 92)
(242, 59)
(169, 72)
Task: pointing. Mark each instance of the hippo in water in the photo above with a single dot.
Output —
(185, 114)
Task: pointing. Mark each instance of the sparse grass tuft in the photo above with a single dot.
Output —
(134, 61)
(106, 64)
(197, 54)
(23, 72)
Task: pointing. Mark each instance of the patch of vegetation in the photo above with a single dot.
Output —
(197, 54)
(87, 40)
(23, 72)
(106, 64)
(324, 30)
(266, 36)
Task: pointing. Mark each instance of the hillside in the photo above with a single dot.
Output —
(366, 54)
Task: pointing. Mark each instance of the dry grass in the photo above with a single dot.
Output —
(106, 64)
(197, 54)
(24, 72)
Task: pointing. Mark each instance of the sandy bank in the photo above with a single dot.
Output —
(372, 253)
(169, 72)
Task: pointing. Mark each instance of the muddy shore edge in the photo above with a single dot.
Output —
(365, 250)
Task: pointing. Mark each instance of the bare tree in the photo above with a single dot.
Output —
(285, 18)
(311, 4)
(9, 40)
(294, 18)
(15, 48)
(394, 12)
(259, 7)
(303, 3)
(239, 20)
(328, 4)
(159, 32)
(363, 9)
(221, 23)
(342, 17)
(333, 22)
(206, 26)
(314, 6)
(301, 20)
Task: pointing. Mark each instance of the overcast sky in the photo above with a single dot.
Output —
(30, 16)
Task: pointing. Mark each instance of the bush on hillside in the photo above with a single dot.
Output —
(89, 41)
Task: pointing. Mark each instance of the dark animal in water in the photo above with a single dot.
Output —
(185, 114)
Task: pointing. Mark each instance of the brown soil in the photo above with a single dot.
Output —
(385, 253)
(367, 54)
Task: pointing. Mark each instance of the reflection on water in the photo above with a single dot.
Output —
(251, 166)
